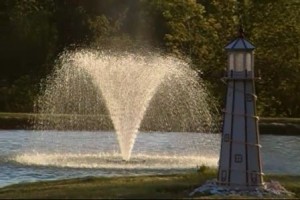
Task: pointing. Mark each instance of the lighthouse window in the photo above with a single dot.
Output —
(239, 62)
(254, 177)
(248, 62)
(223, 175)
(238, 158)
(249, 97)
(226, 137)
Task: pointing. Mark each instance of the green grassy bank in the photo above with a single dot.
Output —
(15, 120)
(150, 187)
(279, 126)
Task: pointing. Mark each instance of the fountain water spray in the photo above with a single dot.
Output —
(98, 88)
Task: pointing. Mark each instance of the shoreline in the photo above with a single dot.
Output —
(24, 121)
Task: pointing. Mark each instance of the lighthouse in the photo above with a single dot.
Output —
(240, 159)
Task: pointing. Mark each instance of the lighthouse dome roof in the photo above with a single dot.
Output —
(239, 43)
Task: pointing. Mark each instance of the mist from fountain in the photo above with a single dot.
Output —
(100, 90)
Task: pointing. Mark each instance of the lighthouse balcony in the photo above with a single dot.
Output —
(241, 75)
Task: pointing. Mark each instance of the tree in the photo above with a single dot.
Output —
(275, 31)
(30, 38)
(28, 43)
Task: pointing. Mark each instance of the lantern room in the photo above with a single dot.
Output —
(240, 56)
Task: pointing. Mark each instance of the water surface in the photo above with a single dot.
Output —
(27, 156)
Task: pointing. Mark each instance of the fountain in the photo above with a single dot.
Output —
(99, 90)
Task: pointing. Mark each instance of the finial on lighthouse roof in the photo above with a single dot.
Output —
(241, 32)
(240, 43)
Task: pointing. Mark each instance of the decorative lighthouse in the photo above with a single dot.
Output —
(240, 162)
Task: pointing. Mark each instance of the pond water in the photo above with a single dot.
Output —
(27, 156)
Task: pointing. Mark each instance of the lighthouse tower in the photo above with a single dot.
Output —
(240, 161)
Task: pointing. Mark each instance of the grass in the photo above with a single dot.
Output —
(15, 120)
(175, 186)
(280, 126)
(26, 120)
(163, 186)
(279, 120)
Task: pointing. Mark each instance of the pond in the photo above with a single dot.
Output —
(27, 156)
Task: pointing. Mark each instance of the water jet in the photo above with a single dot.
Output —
(126, 92)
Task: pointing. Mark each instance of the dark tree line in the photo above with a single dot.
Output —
(34, 32)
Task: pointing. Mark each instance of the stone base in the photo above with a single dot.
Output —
(269, 189)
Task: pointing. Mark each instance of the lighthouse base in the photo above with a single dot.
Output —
(268, 189)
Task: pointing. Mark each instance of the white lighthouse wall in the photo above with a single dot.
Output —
(254, 168)
(224, 164)
(238, 153)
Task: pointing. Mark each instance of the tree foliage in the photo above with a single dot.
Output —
(34, 32)
(276, 33)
